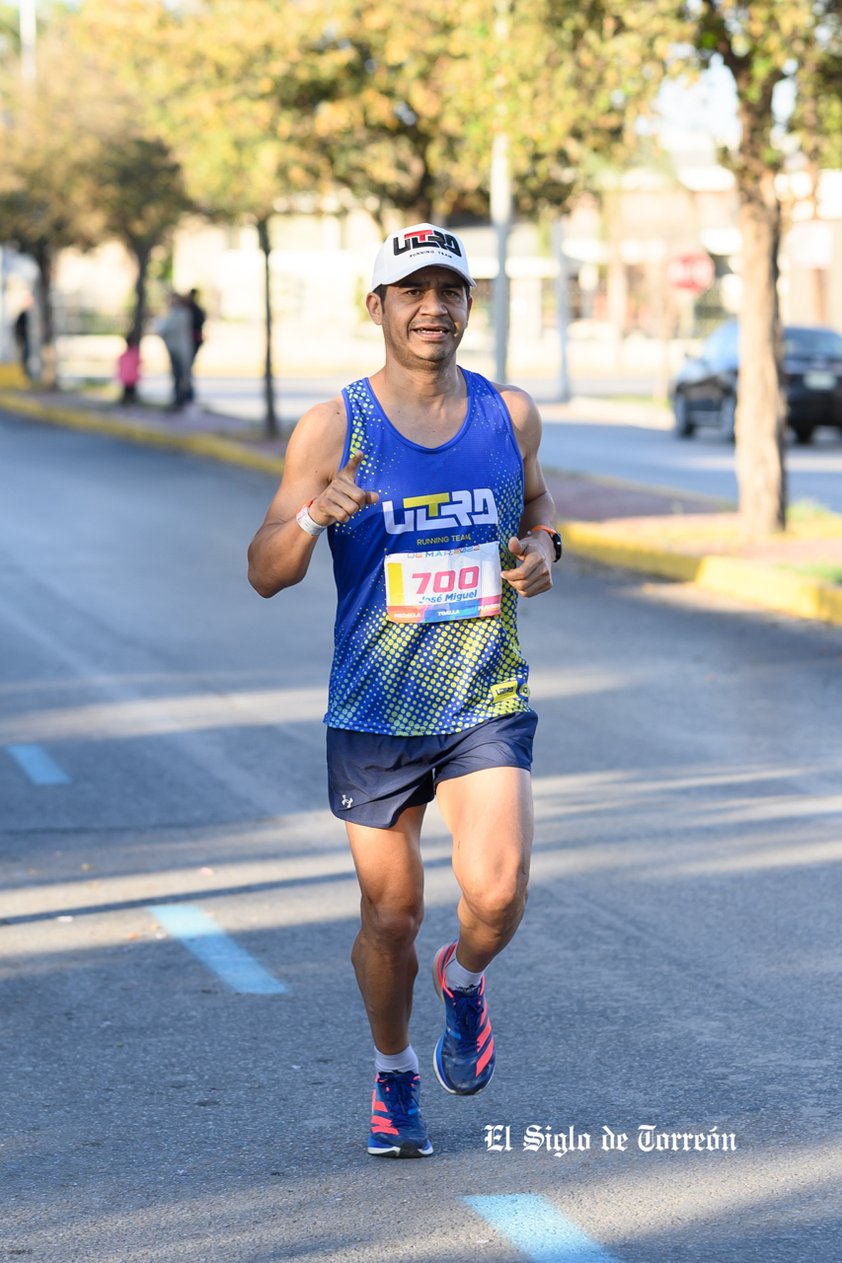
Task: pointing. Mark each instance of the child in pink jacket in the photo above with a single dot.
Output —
(128, 369)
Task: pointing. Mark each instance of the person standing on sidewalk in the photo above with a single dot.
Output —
(427, 480)
(175, 329)
(197, 329)
(22, 336)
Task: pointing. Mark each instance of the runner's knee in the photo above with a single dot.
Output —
(498, 903)
(392, 924)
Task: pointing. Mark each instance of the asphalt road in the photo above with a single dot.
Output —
(678, 969)
(703, 465)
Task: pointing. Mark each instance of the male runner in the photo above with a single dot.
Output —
(426, 478)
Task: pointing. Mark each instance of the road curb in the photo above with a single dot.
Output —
(216, 446)
(753, 582)
(747, 582)
(12, 377)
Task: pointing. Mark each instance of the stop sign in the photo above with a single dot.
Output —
(692, 270)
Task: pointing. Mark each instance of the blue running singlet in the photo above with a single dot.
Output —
(426, 633)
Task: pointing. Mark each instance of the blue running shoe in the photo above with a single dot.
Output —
(464, 1059)
(397, 1128)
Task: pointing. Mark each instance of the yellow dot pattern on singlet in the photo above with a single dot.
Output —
(413, 679)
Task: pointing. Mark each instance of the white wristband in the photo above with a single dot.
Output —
(306, 523)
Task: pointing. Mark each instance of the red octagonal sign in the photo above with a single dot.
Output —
(692, 270)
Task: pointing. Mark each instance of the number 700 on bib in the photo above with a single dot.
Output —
(443, 584)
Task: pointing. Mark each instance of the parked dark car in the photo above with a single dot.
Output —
(704, 392)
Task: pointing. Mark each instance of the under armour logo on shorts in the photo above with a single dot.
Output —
(347, 801)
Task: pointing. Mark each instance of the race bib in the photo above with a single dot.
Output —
(431, 587)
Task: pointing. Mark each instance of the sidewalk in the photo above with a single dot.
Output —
(645, 529)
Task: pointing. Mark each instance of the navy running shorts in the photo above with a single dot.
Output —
(373, 777)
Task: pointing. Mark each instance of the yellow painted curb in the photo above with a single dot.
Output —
(215, 446)
(756, 582)
(591, 540)
(12, 377)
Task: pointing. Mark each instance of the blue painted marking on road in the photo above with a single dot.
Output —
(39, 766)
(212, 946)
(538, 1230)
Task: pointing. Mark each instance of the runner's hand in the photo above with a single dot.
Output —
(342, 498)
(533, 572)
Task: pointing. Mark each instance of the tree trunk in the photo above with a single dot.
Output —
(43, 255)
(141, 254)
(760, 417)
(271, 420)
(426, 196)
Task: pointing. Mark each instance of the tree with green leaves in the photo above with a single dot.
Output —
(418, 125)
(756, 44)
(141, 197)
(80, 165)
(409, 124)
(233, 86)
(264, 102)
(44, 185)
(765, 44)
(243, 121)
(9, 32)
(135, 181)
(388, 121)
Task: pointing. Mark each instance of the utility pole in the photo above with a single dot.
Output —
(501, 200)
(562, 311)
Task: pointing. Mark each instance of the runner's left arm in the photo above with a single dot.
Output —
(535, 553)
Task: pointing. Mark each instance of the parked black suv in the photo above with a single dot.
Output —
(705, 390)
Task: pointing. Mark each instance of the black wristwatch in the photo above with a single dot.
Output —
(554, 536)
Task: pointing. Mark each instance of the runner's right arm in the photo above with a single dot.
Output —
(280, 552)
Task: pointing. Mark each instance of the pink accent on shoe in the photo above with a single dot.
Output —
(443, 959)
(384, 1126)
(486, 1056)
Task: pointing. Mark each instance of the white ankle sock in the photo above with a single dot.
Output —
(389, 1063)
(457, 976)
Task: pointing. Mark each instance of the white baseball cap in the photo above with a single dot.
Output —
(419, 246)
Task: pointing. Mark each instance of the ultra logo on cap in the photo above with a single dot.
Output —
(409, 249)
(417, 238)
